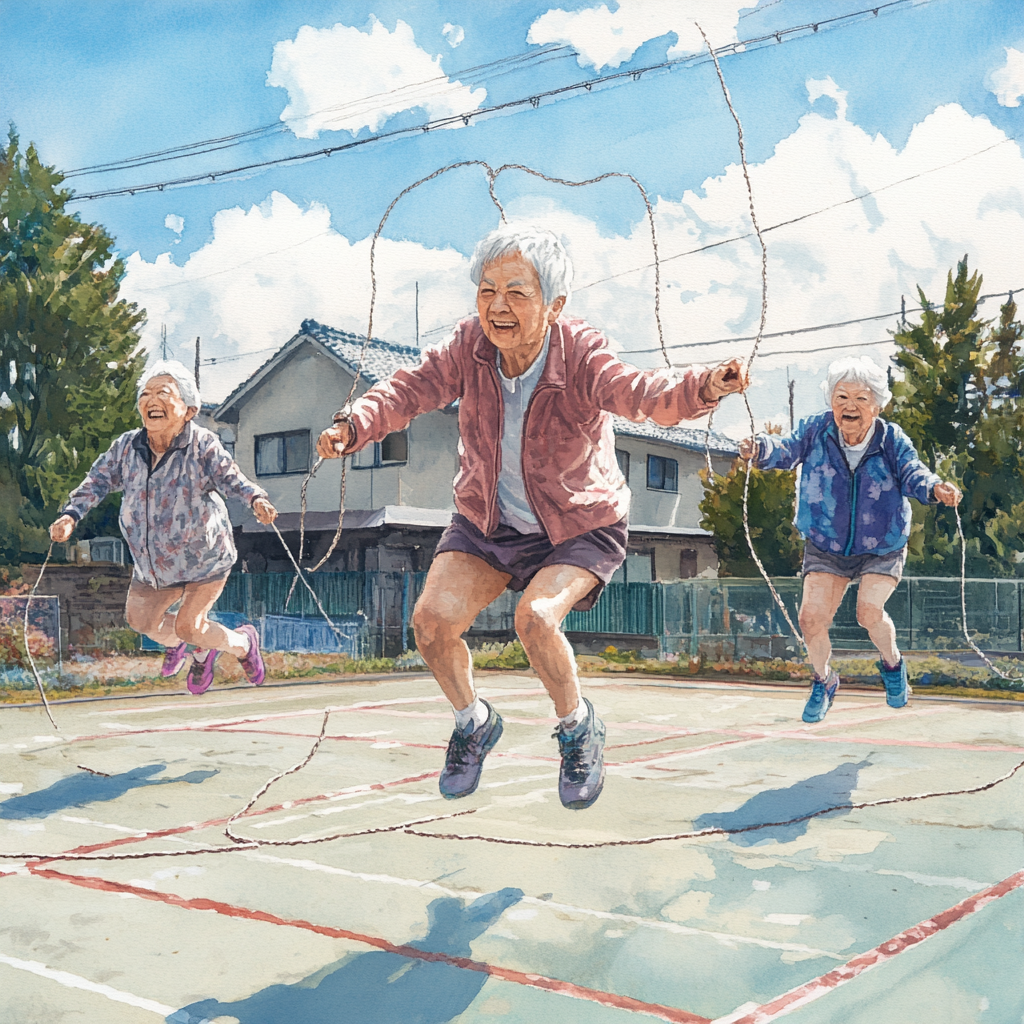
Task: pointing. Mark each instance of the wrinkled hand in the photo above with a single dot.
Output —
(333, 441)
(61, 529)
(748, 448)
(948, 494)
(264, 511)
(724, 379)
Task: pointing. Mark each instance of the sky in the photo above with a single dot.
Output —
(891, 140)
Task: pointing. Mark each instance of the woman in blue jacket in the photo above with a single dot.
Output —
(858, 472)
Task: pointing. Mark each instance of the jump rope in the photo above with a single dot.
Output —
(242, 843)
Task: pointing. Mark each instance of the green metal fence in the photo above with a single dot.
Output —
(681, 615)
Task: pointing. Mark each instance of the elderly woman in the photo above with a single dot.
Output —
(176, 525)
(541, 502)
(854, 513)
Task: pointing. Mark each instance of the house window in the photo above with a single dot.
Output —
(687, 564)
(279, 454)
(394, 449)
(662, 474)
(623, 460)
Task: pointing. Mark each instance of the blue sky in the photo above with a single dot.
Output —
(856, 106)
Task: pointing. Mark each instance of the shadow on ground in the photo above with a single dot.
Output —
(378, 987)
(87, 788)
(802, 798)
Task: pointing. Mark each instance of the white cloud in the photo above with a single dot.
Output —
(174, 223)
(342, 79)
(607, 39)
(268, 268)
(1007, 82)
(453, 33)
(818, 87)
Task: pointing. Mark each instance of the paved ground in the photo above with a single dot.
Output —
(907, 912)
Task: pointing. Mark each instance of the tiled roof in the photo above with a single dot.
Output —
(686, 437)
(382, 358)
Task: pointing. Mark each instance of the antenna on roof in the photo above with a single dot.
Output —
(163, 341)
(197, 362)
(417, 314)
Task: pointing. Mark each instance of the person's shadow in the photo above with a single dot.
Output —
(814, 794)
(88, 788)
(378, 987)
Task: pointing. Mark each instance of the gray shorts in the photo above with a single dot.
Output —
(853, 566)
(523, 555)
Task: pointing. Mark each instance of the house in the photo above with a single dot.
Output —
(398, 493)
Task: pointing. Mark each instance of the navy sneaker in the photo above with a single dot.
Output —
(465, 757)
(896, 689)
(581, 777)
(822, 695)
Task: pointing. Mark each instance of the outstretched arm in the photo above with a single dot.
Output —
(103, 478)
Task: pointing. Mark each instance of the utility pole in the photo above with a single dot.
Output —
(197, 362)
(163, 341)
(417, 317)
(792, 417)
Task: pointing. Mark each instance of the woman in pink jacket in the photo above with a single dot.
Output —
(542, 505)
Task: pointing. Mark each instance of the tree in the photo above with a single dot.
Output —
(959, 401)
(69, 356)
(770, 502)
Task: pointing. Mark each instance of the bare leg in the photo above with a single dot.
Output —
(146, 612)
(875, 590)
(458, 586)
(823, 593)
(193, 626)
(545, 603)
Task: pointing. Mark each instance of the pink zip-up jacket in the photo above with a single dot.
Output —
(572, 478)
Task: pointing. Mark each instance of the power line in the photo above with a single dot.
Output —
(533, 101)
(474, 75)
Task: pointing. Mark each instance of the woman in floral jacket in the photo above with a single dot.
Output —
(176, 525)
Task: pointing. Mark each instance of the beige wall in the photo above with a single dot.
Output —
(305, 392)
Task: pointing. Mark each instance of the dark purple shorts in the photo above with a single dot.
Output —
(523, 555)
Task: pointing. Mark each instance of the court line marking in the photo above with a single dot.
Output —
(727, 938)
(527, 979)
(69, 980)
(886, 951)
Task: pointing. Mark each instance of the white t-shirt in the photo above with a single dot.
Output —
(513, 506)
(855, 452)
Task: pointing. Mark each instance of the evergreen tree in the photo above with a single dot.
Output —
(68, 350)
(959, 401)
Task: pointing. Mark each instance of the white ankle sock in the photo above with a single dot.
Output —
(200, 655)
(573, 719)
(476, 712)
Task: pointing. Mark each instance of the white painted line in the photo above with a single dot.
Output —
(74, 981)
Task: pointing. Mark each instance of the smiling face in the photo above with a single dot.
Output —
(855, 408)
(161, 407)
(511, 304)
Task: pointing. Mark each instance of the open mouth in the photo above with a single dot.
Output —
(155, 414)
(504, 325)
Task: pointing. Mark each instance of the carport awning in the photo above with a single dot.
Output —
(356, 519)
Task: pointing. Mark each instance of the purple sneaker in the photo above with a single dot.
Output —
(174, 658)
(200, 674)
(252, 663)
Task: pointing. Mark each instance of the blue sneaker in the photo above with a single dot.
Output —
(822, 695)
(465, 757)
(581, 777)
(896, 689)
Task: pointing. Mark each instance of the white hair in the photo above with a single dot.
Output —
(538, 246)
(182, 376)
(857, 370)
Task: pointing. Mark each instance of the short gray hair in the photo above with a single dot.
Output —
(857, 370)
(182, 376)
(540, 247)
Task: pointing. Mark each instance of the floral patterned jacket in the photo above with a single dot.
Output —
(175, 522)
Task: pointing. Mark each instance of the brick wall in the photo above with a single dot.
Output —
(91, 597)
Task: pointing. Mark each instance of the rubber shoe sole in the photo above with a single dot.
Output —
(464, 759)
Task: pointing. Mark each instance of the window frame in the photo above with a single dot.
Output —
(666, 461)
(281, 435)
(377, 461)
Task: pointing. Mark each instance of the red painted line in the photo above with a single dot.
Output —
(245, 731)
(815, 989)
(215, 822)
(564, 988)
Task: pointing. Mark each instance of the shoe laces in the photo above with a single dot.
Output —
(572, 750)
(458, 747)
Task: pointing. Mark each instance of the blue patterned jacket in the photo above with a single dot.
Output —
(861, 513)
(175, 522)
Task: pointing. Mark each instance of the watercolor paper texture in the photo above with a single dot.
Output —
(243, 155)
